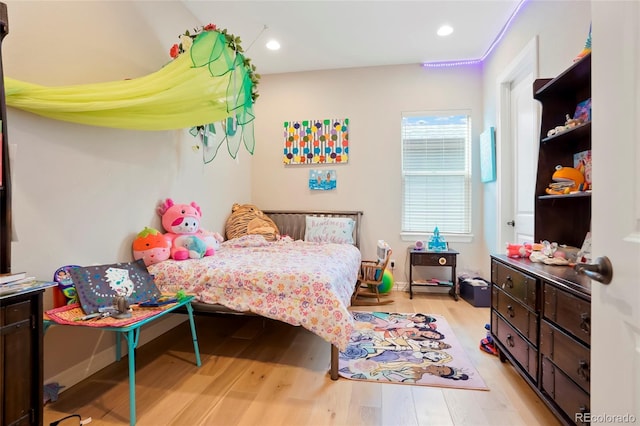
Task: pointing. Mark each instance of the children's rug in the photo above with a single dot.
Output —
(415, 349)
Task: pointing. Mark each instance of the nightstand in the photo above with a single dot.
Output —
(446, 258)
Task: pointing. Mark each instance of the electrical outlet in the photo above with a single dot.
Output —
(392, 263)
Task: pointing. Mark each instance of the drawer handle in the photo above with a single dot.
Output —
(585, 324)
(510, 341)
(508, 282)
(510, 311)
(583, 370)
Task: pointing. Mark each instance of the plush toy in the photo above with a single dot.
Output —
(212, 239)
(519, 250)
(182, 223)
(247, 219)
(151, 246)
(565, 181)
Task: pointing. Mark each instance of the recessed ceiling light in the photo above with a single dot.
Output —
(273, 45)
(445, 30)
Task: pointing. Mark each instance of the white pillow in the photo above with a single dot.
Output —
(329, 230)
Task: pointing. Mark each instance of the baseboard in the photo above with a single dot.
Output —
(401, 286)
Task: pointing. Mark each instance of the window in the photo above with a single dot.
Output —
(436, 173)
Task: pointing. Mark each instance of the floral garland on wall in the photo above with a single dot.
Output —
(186, 41)
(231, 130)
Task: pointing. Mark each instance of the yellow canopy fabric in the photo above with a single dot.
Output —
(209, 84)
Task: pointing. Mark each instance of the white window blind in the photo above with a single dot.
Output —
(436, 173)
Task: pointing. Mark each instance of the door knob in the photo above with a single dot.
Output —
(601, 270)
(511, 223)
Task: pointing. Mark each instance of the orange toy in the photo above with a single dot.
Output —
(565, 181)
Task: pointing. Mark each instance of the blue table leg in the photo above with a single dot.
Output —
(196, 349)
(132, 341)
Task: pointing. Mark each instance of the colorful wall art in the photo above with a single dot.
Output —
(322, 179)
(316, 141)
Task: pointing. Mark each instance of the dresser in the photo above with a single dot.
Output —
(21, 351)
(541, 322)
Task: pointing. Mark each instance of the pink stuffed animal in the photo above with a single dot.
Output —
(182, 223)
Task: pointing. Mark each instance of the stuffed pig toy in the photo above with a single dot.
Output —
(182, 223)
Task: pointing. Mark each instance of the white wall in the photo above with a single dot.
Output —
(81, 193)
(373, 100)
(561, 28)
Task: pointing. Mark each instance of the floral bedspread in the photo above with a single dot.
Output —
(297, 282)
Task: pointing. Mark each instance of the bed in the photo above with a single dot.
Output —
(301, 283)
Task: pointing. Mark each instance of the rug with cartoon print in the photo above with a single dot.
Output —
(406, 348)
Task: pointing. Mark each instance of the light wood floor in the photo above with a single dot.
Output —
(262, 372)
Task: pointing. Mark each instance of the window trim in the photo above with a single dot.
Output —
(449, 237)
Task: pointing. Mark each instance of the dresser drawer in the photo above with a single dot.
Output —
(525, 321)
(524, 353)
(517, 284)
(572, 357)
(568, 311)
(15, 317)
(566, 394)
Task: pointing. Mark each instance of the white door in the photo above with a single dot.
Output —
(615, 332)
(517, 139)
(524, 135)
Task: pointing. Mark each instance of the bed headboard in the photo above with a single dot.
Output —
(293, 222)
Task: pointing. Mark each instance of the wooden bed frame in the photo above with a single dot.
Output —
(293, 224)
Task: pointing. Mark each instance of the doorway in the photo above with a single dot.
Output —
(517, 142)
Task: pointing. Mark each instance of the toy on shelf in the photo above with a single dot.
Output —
(583, 111)
(552, 253)
(522, 250)
(437, 242)
(582, 162)
(566, 180)
(586, 49)
(569, 124)
(519, 250)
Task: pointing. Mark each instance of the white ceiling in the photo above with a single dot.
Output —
(330, 34)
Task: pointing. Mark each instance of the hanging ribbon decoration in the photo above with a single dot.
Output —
(210, 81)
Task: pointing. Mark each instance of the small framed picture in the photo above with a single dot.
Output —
(322, 180)
(583, 111)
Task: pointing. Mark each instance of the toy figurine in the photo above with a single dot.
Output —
(437, 243)
(565, 181)
(487, 344)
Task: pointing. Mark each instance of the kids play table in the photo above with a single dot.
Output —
(131, 333)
